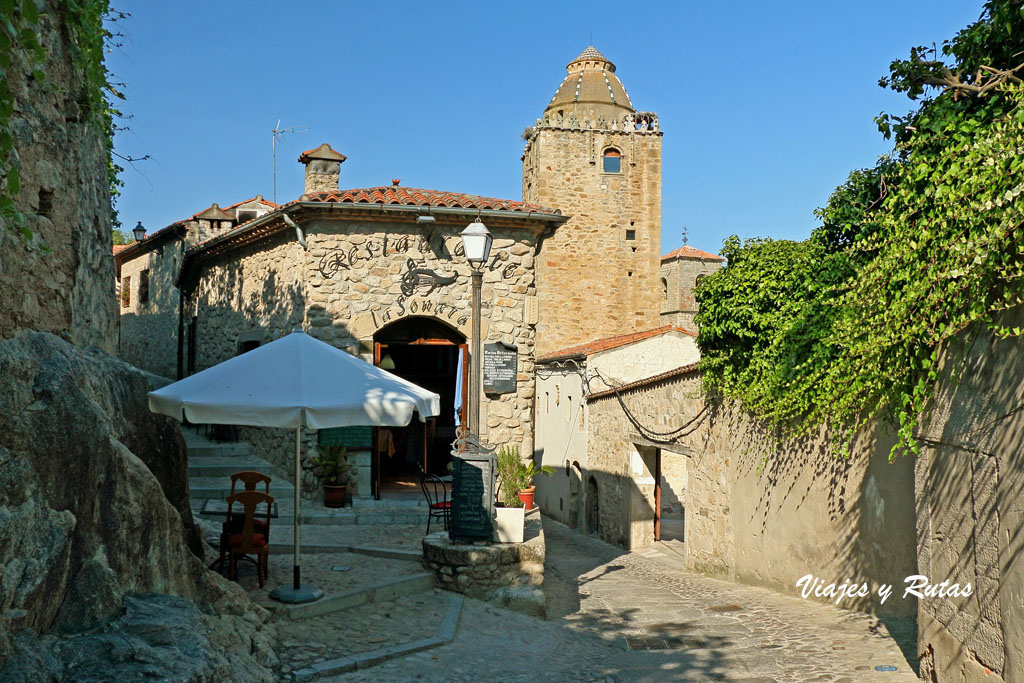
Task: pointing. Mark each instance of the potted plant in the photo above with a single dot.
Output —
(525, 472)
(332, 469)
(515, 493)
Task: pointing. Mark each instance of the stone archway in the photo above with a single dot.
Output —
(428, 352)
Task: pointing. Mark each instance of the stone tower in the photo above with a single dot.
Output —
(596, 158)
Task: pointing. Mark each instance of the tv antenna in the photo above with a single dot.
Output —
(279, 134)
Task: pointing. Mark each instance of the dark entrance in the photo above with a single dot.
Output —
(430, 354)
(593, 512)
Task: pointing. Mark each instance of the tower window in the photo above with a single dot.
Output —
(612, 161)
(631, 234)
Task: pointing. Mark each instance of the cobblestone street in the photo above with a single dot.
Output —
(699, 629)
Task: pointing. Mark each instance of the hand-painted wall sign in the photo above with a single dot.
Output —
(349, 257)
(418, 277)
(346, 258)
(403, 308)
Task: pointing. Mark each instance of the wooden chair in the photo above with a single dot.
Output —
(248, 541)
(436, 494)
(233, 524)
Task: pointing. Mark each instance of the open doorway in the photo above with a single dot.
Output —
(434, 356)
(671, 482)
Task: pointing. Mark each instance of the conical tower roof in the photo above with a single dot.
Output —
(590, 90)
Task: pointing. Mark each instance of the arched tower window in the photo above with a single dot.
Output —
(612, 162)
(664, 289)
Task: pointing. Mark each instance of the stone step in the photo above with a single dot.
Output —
(219, 449)
(225, 466)
(219, 488)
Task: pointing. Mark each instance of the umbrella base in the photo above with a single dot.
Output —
(298, 595)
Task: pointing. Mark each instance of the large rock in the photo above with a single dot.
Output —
(86, 473)
(159, 636)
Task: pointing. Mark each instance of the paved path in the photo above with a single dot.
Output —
(599, 595)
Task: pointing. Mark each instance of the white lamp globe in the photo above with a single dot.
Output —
(476, 242)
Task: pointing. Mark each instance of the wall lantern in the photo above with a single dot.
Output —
(476, 239)
(139, 232)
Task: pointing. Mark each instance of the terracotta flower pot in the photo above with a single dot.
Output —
(334, 496)
(526, 495)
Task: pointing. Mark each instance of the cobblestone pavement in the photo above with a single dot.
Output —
(359, 629)
(356, 571)
(712, 630)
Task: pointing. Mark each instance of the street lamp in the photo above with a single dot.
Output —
(476, 242)
(139, 232)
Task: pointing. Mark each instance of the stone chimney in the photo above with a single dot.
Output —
(323, 167)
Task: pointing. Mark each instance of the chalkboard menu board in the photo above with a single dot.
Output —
(472, 497)
(500, 368)
(352, 437)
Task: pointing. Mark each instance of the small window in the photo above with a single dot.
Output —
(612, 161)
(631, 234)
(245, 216)
(144, 286)
(45, 203)
(246, 346)
(126, 291)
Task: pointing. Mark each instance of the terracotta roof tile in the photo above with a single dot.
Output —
(324, 151)
(258, 198)
(593, 347)
(120, 247)
(690, 252)
(411, 196)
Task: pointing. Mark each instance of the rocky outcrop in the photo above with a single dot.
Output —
(159, 636)
(92, 498)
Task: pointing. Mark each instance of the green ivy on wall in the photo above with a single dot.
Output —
(21, 51)
(846, 327)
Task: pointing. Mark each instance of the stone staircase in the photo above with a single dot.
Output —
(211, 464)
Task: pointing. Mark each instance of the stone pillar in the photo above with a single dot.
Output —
(323, 168)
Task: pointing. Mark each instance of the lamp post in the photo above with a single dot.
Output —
(476, 241)
(139, 232)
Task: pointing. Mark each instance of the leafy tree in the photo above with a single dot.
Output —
(846, 327)
(119, 237)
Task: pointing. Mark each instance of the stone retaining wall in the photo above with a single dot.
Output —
(510, 575)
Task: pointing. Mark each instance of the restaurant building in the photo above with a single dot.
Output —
(380, 272)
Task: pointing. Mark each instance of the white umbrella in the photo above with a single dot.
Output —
(295, 381)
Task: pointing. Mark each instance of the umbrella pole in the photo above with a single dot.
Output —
(298, 499)
(297, 593)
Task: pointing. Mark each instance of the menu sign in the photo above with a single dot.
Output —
(500, 361)
(472, 497)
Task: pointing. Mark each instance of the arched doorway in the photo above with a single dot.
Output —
(433, 355)
(575, 484)
(593, 513)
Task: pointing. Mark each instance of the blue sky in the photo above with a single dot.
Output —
(766, 107)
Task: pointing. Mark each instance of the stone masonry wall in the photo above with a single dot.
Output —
(68, 290)
(148, 336)
(678, 305)
(754, 512)
(592, 280)
(349, 285)
(970, 513)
